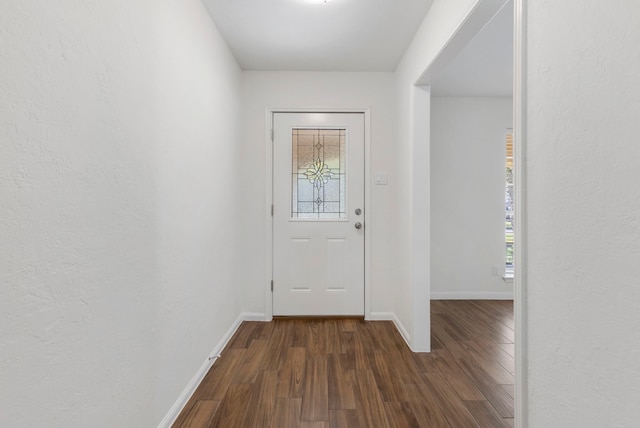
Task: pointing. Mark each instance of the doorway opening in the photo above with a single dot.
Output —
(467, 34)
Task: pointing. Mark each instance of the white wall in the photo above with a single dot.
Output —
(467, 196)
(118, 134)
(442, 20)
(262, 90)
(582, 205)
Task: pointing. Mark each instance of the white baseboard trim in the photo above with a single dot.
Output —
(254, 316)
(383, 316)
(390, 316)
(472, 295)
(182, 400)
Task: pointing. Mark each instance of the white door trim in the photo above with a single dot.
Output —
(269, 112)
(420, 213)
(520, 255)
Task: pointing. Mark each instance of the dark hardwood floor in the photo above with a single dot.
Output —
(351, 373)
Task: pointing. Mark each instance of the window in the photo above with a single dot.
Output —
(508, 207)
(318, 184)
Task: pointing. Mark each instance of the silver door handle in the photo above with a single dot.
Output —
(358, 225)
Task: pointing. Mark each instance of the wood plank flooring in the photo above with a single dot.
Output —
(346, 373)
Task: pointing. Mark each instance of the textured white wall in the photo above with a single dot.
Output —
(118, 134)
(442, 20)
(263, 90)
(467, 196)
(583, 209)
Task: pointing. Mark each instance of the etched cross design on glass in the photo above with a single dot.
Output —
(318, 173)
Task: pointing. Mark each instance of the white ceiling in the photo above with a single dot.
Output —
(359, 35)
(341, 35)
(485, 65)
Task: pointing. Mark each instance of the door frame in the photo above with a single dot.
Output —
(268, 138)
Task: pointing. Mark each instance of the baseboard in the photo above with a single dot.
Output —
(383, 316)
(254, 316)
(472, 295)
(390, 316)
(182, 400)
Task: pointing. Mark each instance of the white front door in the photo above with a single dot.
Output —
(319, 218)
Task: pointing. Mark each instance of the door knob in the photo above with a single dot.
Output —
(358, 225)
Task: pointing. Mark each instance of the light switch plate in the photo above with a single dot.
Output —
(381, 178)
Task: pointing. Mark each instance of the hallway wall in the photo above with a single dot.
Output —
(412, 288)
(582, 205)
(118, 132)
(468, 196)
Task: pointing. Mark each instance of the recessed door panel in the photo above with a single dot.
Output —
(336, 255)
(301, 264)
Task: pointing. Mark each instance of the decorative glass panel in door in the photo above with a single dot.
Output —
(318, 182)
